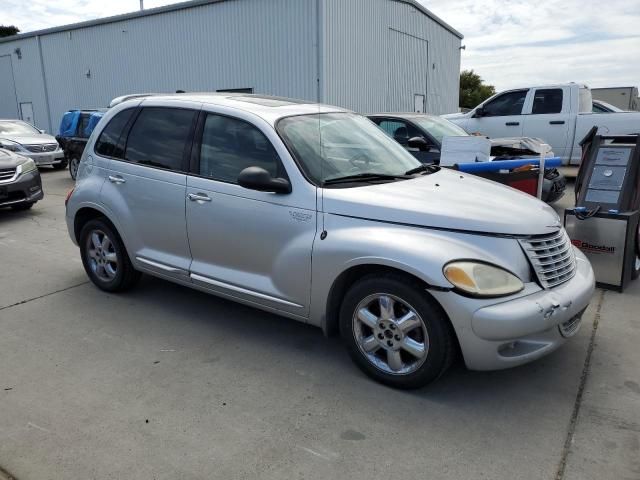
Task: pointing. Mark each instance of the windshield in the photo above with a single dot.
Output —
(334, 145)
(17, 128)
(439, 127)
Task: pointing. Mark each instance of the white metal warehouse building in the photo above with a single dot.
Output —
(366, 55)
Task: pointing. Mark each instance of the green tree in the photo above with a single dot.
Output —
(8, 30)
(472, 89)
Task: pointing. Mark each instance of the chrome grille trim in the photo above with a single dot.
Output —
(7, 174)
(47, 147)
(551, 257)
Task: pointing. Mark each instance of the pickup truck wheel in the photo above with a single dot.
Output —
(104, 257)
(394, 332)
(74, 163)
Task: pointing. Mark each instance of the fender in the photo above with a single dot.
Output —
(420, 252)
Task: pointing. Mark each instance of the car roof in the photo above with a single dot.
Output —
(269, 108)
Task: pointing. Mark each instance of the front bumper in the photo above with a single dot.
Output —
(45, 158)
(518, 330)
(27, 188)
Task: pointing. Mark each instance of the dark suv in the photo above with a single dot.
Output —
(20, 184)
(75, 129)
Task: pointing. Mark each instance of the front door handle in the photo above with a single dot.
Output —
(198, 197)
(512, 124)
(556, 122)
(116, 179)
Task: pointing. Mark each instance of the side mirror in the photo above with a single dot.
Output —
(257, 178)
(479, 112)
(419, 143)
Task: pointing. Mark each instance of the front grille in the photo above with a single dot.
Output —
(7, 173)
(47, 147)
(552, 257)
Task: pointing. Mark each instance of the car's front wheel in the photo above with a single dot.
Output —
(395, 332)
(104, 257)
(74, 163)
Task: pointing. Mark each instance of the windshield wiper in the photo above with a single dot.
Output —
(426, 168)
(363, 177)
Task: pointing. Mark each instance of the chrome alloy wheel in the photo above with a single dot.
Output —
(102, 256)
(391, 334)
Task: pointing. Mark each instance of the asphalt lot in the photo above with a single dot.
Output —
(165, 382)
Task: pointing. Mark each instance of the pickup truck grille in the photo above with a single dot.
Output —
(7, 174)
(552, 257)
(47, 147)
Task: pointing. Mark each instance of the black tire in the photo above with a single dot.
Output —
(441, 342)
(635, 267)
(60, 166)
(23, 206)
(123, 276)
(74, 163)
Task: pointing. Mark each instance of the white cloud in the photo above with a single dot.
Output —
(515, 43)
(508, 42)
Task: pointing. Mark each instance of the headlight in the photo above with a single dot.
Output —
(482, 280)
(27, 166)
(9, 145)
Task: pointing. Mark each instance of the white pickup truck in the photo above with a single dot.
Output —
(558, 114)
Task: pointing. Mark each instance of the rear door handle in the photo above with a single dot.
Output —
(198, 197)
(512, 124)
(116, 179)
(556, 122)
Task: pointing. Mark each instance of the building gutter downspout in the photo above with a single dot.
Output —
(44, 83)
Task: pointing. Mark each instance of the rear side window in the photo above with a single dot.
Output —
(159, 136)
(230, 145)
(509, 103)
(547, 101)
(82, 124)
(108, 144)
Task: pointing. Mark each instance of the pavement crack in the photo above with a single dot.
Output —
(22, 302)
(578, 401)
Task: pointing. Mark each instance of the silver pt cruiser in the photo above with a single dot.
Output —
(312, 212)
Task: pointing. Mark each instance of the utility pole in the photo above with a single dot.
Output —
(141, 4)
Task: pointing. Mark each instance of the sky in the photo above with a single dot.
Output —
(509, 43)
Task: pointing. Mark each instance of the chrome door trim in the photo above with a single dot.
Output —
(162, 266)
(244, 291)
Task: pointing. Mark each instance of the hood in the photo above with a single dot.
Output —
(9, 159)
(35, 139)
(453, 116)
(447, 200)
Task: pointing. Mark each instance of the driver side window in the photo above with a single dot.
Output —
(400, 131)
(510, 103)
(230, 145)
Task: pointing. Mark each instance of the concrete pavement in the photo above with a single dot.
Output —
(165, 382)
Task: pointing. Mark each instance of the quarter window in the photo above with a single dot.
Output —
(159, 136)
(547, 101)
(509, 103)
(229, 146)
(108, 144)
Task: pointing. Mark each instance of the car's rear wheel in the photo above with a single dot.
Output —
(394, 332)
(74, 163)
(635, 273)
(104, 257)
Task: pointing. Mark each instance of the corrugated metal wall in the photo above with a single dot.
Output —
(270, 46)
(363, 70)
(27, 75)
(265, 45)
